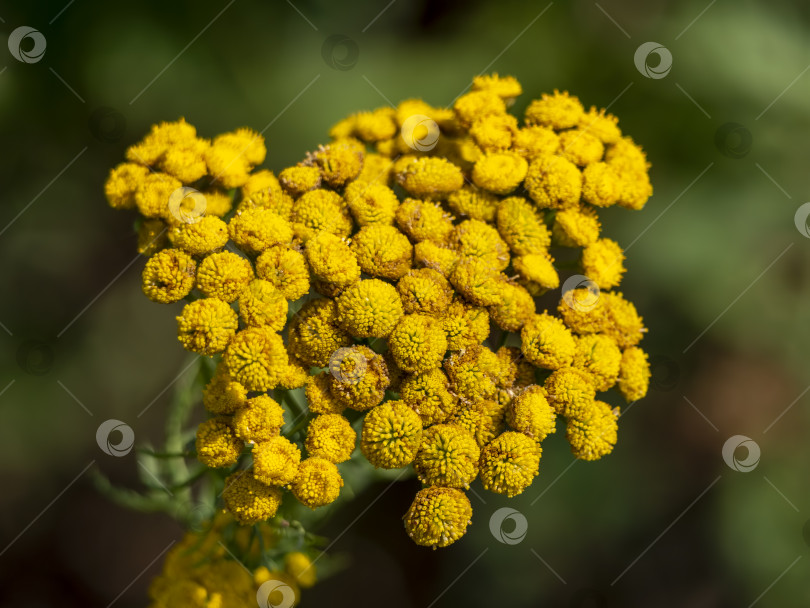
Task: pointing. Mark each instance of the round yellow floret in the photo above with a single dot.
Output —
(259, 420)
(547, 342)
(320, 210)
(370, 308)
(315, 334)
(465, 325)
(260, 303)
(223, 395)
(256, 358)
(340, 162)
(424, 221)
(521, 227)
(515, 307)
(623, 322)
(601, 185)
(473, 373)
(494, 132)
(249, 500)
(256, 229)
(382, 251)
(474, 203)
(509, 463)
(318, 483)
(600, 356)
(634, 374)
(602, 125)
(275, 461)
(478, 281)
(476, 105)
(433, 255)
(428, 395)
(506, 87)
(123, 183)
(570, 391)
(418, 343)
(217, 445)
(330, 436)
(538, 272)
(208, 234)
(206, 326)
(576, 227)
(392, 433)
(286, 269)
(636, 190)
(438, 517)
(375, 126)
(530, 413)
(262, 189)
(580, 147)
(602, 263)
(168, 276)
(319, 396)
(425, 291)
(232, 156)
(593, 433)
(558, 111)
(359, 377)
(371, 203)
(531, 142)
(447, 457)
(297, 180)
(224, 275)
(477, 239)
(430, 176)
(499, 172)
(331, 260)
(153, 193)
(554, 182)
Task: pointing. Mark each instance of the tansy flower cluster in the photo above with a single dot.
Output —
(406, 275)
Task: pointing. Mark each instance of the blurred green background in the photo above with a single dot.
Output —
(661, 522)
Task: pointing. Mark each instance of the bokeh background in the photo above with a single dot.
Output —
(716, 264)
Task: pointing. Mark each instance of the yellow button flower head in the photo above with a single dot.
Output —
(318, 483)
(602, 125)
(259, 420)
(554, 182)
(152, 237)
(636, 190)
(570, 391)
(537, 272)
(580, 147)
(477, 239)
(593, 433)
(478, 104)
(371, 203)
(300, 567)
(484, 420)
(123, 183)
(418, 343)
(392, 433)
(601, 185)
(330, 436)
(558, 111)
(623, 321)
(472, 373)
(340, 162)
(370, 308)
(168, 276)
(382, 251)
(205, 326)
(600, 356)
(582, 312)
(217, 444)
(494, 132)
(295, 375)
(474, 203)
(151, 149)
(232, 156)
(260, 303)
(547, 342)
(359, 377)
(447, 457)
(532, 142)
(331, 260)
(433, 255)
(634, 376)
(217, 202)
(315, 334)
(428, 395)
(430, 177)
(249, 500)
(256, 358)
(521, 227)
(321, 210)
(186, 160)
(275, 461)
(515, 307)
(319, 396)
(424, 221)
(224, 275)
(425, 291)
(531, 414)
(376, 125)
(625, 156)
(477, 280)
(602, 263)
(256, 229)
(465, 325)
(152, 195)
(262, 189)
(207, 234)
(509, 463)
(499, 172)
(576, 227)
(438, 517)
(376, 170)
(286, 269)
(343, 128)
(297, 180)
(505, 87)
(223, 395)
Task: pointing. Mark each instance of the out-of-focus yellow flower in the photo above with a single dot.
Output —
(603, 263)
(521, 227)
(299, 179)
(477, 239)
(558, 111)
(232, 156)
(576, 227)
(301, 568)
(477, 104)
(223, 395)
(580, 147)
(474, 203)
(534, 141)
(554, 182)
(123, 183)
(430, 177)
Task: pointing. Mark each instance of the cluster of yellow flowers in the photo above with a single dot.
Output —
(422, 230)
